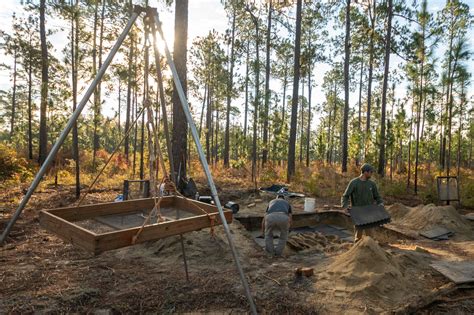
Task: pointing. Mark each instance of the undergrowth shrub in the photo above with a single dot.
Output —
(12, 166)
(393, 188)
(467, 194)
(269, 175)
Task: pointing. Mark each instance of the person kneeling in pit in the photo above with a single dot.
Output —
(277, 218)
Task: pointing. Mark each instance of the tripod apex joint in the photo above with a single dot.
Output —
(151, 11)
(138, 9)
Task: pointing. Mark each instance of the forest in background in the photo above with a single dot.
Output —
(251, 89)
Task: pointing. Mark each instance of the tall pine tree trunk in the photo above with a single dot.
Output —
(74, 70)
(204, 99)
(469, 162)
(30, 86)
(216, 148)
(450, 114)
(43, 132)
(388, 40)
(246, 90)
(96, 91)
(345, 123)
(180, 125)
(458, 164)
(257, 96)
(267, 86)
(12, 121)
(372, 15)
(99, 85)
(229, 95)
(135, 117)
(447, 128)
(119, 110)
(409, 143)
(256, 105)
(308, 129)
(129, 98)
(420, 101)
(360, 89)
(208, 124)
(294, 102)
(285, 83)
(441, 133)
(142, 146)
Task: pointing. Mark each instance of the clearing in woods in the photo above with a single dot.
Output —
(381, 273)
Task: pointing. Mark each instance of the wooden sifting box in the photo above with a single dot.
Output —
(102, 227)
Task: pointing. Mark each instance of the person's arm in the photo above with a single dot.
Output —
(347, 195)
(377, 197)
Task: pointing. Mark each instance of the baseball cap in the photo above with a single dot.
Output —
(366, 168)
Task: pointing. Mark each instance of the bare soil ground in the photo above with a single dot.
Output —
(41, 273)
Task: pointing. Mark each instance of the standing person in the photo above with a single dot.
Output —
(277, 218)
(362, 192)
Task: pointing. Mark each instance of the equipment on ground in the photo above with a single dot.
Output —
(232, 206)
(206, 199)
(437, 233)
(280, 190)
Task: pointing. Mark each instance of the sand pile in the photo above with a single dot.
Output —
(398, 211)
(425, 217)
(369, 273)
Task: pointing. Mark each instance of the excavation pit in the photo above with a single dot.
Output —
(319, 230)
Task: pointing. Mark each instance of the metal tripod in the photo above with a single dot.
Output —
(152, 13)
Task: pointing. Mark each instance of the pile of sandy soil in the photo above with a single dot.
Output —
(429, 215)
(369, 273)
(398, 211)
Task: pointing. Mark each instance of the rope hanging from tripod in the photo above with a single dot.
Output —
(166, 184)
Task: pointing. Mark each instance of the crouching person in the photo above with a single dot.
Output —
(277, 218)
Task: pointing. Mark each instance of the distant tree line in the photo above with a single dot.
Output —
(252, 85)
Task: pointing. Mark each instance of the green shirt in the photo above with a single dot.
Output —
(361, 192)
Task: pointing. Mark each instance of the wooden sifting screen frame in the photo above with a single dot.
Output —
(60, 222)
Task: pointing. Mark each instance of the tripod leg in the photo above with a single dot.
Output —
(49, 159)
(202, 157)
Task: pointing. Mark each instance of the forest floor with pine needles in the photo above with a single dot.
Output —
(41, 273)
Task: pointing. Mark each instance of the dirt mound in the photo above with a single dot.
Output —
(398, 211)
(431, 215)
(369, 273)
